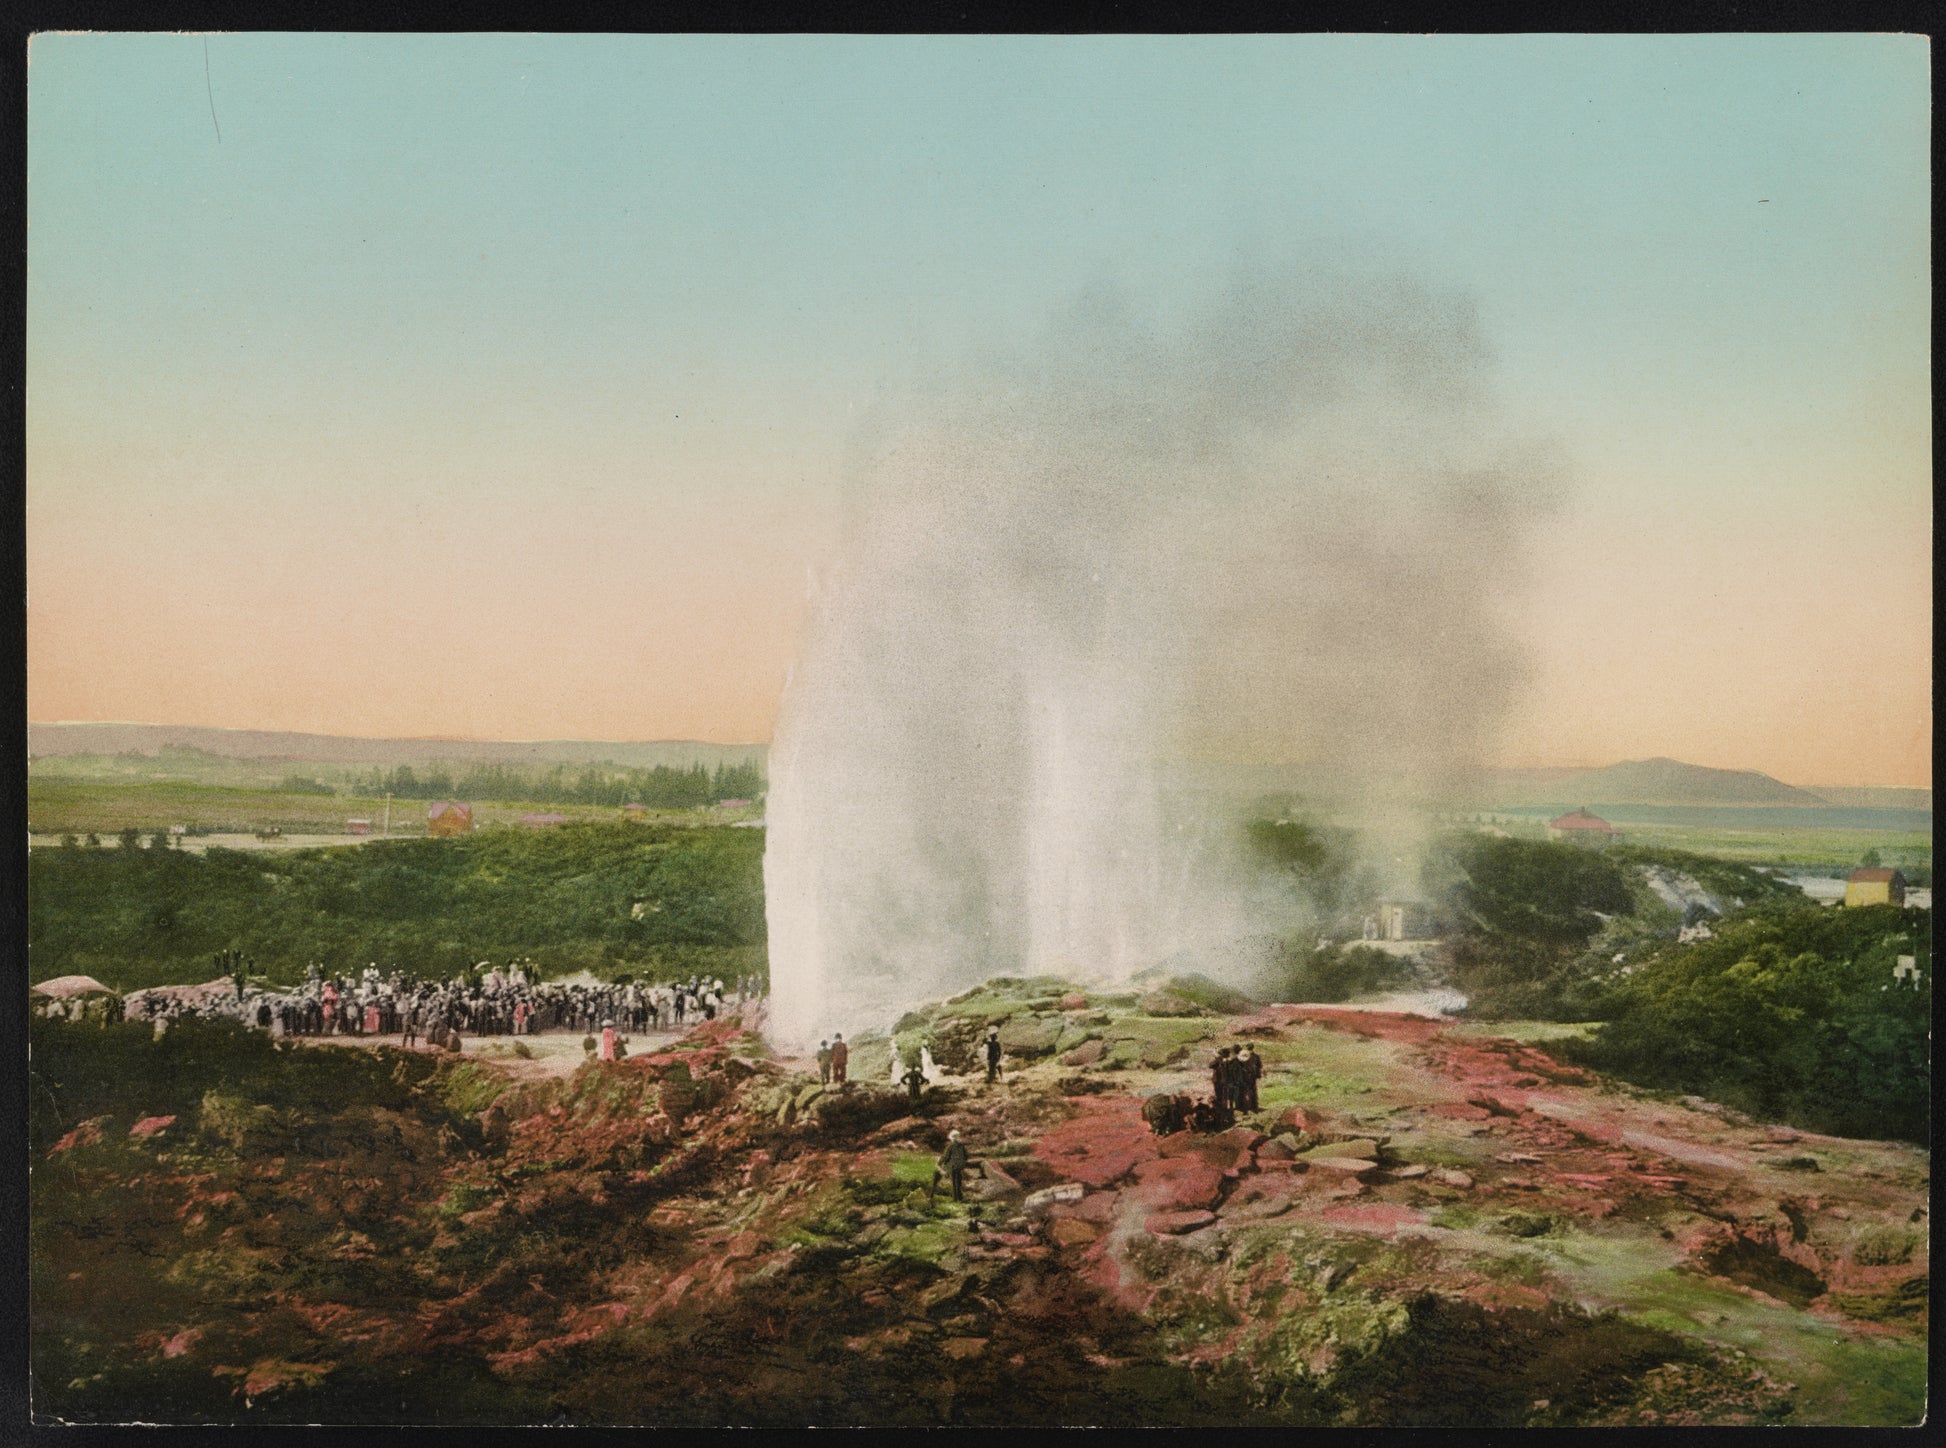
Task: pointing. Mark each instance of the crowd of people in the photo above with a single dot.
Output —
(486, 1001)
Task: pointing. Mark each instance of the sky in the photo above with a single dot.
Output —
(503, 386)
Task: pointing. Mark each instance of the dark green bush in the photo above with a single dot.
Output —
(1790, 1014)
(563, 896)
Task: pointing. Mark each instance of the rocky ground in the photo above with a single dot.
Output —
(1426, 1224)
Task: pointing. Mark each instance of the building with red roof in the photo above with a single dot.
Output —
(1581, 828)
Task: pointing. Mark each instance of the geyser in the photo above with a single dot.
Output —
(1282, 531)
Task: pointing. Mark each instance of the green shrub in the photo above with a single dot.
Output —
(1787, 1014)
(563, 897)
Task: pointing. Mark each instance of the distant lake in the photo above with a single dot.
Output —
(1743, 817)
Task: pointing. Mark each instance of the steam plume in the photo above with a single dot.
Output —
(1282, 531)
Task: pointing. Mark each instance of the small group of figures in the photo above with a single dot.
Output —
(1234, 1074)
(834, 1063)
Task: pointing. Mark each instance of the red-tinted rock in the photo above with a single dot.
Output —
(1085, 1054)
(1172, 1224)
(1177, 1184)
(1074, 1001)
(88, 1133)
(1379, 1218)
(1100, 1144)
(149, 1125)
(1225, 1150)
(1096, 1207)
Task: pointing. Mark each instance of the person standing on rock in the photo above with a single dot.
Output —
(1219, 1078)
(824, 1063)
(840, 1058)
(993, 1056)
(952, 1165)
(1250, 1072)
(609, 1037)
(915, 1082)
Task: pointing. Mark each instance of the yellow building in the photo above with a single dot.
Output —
(1875, 885)
(449, 819)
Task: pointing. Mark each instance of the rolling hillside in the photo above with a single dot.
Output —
(1652, 781)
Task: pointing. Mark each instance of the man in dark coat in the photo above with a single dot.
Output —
(952, 1165)
(1220, 1078)
(840, 1058)
(915, 1082)
(824, 1063)
(1250, 1070)
(993, 1054)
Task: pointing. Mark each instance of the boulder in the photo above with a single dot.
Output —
(1167, 1003)
(1356, 1147)
(1447, 1177)
(1174, 1224)
(1178, 1183)
(1030, 1036)
(1349, 1165)
(1047, 1197)
(991, 1180)
(1072, 1232)
(1072, 1037)
(1086, 1054)
(1412, 1171)
(1299, 1120)
(1096, 1207)
(1074, 1001)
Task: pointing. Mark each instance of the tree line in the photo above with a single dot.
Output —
(659, 788)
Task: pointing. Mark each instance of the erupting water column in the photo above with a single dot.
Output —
(1287, 522)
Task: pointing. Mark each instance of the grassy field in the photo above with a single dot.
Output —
(1812, 851)
(57, 806)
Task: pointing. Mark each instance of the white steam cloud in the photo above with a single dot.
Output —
(1285, 531)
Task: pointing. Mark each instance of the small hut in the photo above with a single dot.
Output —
(448, 818)
(1581, 828)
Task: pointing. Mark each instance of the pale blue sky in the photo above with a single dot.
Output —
(427, 273)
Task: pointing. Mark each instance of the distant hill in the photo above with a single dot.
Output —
(53, 740)
(1652, 781)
